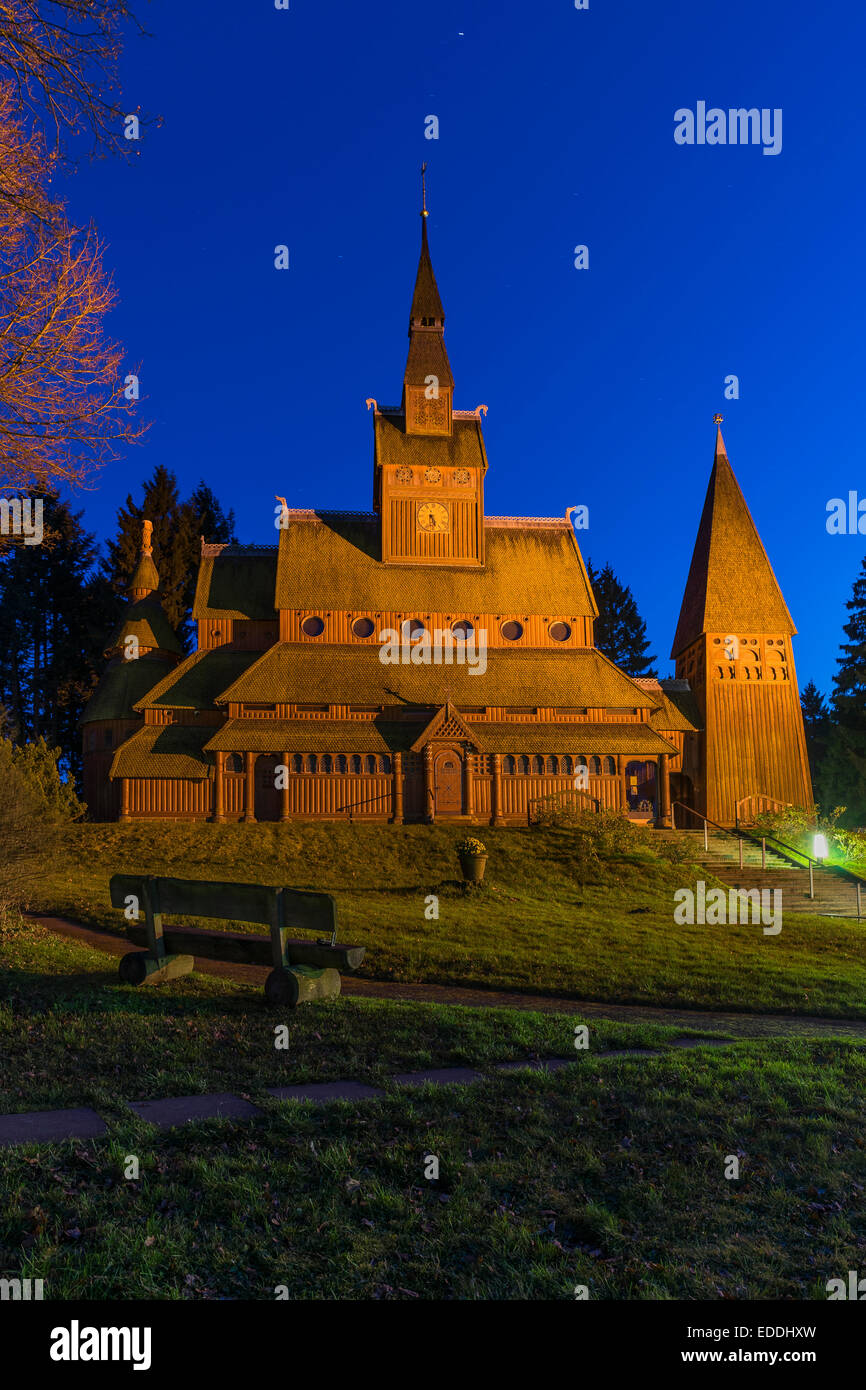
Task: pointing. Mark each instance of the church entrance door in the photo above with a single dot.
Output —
(447, 783)
(267, 797)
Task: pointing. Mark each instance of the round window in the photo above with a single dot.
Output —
(416, 628)
(463, 630)
(363, 627)
(512, 631)
(560, 632)
(313, 627)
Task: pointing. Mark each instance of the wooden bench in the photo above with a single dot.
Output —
(302, 970)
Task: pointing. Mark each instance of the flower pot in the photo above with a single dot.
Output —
(473, 866)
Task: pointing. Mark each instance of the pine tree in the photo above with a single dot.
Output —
(849, 695)
(177, 531)
(816, 723)
(53, 615)
(842, 773)
(620, 631)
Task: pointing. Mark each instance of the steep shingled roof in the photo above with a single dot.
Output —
(426, 301)
(329, 560)
(301, 673)
(678, 708)
(196, 682)
(731, 585)
(238, 582)
(122, 685)
(146, 620)
(463, 448)
(391, 736)
(164, 750)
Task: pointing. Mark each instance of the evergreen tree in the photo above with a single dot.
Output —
(620, 631)
(160, 504)
(849, 695)
(842, 773)
(53, 616)
(177, 531)
(816, 722)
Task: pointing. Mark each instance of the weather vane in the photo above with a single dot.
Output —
(423, 190)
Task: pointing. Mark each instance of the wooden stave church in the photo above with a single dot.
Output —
(287, 670)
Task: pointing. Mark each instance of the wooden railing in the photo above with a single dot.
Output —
(756, 802)
(558, 798)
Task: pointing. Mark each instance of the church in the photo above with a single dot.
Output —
(427, 662)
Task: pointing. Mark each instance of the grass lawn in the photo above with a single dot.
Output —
(609, 1173)
(544, 922)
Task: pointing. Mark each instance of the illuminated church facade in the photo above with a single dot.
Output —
(427, 662)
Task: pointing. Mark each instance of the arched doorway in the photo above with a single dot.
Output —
(640, 787)
(682, 790)
(267, 797)
(447, 783)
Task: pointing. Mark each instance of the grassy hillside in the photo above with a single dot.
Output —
(609, 1173)
(561, 912)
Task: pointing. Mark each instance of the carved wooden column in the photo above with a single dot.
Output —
(250, 788)
(124, 798)
(620, 772)
(219, 797)
(496, 805)
(397, 766)
(663, 792)
(468, 785)
(429, 803)
(285, 793)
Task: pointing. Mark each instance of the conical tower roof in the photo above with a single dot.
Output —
(731, 586)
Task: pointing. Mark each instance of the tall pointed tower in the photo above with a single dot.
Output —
(733, 645)
(142, 649)
(430, 461)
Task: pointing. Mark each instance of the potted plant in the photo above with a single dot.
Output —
(473, 858)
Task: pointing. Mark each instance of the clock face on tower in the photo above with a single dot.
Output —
(432, 516)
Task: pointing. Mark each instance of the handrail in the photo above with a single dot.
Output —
(566, 791)
(367, 801)
(762, 796)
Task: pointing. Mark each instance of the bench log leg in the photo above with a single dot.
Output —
(298, 984)
(143, 968)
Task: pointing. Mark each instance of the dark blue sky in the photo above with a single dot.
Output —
(306, 128)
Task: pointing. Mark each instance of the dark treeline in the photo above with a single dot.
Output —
(60, 600)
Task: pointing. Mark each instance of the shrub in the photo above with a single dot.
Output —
(27, 832)
(39, 767)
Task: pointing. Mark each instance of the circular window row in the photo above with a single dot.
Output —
(511, 630)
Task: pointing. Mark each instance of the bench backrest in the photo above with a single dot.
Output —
(242, 902)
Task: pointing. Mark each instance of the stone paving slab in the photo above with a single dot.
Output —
(182, 1110)
(325, 1090)
(50, 1126)
(440, 1076)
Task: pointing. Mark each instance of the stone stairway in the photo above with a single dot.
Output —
(835, 895)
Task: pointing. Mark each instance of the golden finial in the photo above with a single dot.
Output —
(146, 533)
(718, 419)
(423, 190)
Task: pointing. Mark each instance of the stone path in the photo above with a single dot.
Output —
(53, 1126)
(739, 1024)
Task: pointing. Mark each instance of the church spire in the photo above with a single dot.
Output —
(428, 385)
(731, 586)
(145, 580)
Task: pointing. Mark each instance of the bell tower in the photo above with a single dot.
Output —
(430, 462)
(733, 645)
